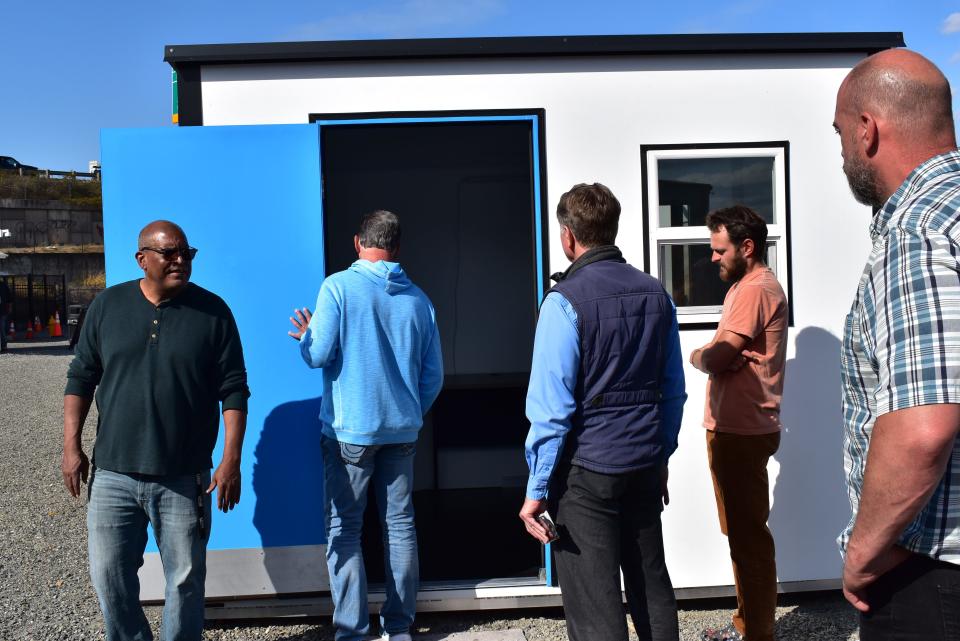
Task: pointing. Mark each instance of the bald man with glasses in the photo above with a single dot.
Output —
(164, 358)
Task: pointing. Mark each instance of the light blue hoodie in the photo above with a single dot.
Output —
(375, 335)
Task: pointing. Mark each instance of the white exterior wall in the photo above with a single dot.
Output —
(599, 111)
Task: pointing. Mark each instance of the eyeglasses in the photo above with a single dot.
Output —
(170, 254)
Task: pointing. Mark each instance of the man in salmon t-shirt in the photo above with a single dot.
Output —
(745, 361)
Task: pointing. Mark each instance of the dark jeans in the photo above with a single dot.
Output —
(917, 600)
(608, 523)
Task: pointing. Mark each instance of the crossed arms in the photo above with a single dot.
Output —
(727, 352)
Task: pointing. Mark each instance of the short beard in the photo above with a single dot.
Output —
(863, 182)
(736, 271)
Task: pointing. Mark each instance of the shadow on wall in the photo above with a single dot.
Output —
(288, 482)
(811, 480)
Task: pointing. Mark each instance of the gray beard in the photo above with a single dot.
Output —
(863, 183)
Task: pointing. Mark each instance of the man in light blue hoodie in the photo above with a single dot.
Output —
(374, 334)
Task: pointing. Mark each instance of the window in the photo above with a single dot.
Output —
(682, 183)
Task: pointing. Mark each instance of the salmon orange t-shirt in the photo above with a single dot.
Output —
(748, 401)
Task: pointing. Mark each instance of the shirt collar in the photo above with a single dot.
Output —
(754, 275)
(918, 178)
(596, 254)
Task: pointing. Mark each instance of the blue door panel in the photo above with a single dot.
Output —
(249, 198)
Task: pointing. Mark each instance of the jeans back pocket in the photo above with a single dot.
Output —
(354, 454)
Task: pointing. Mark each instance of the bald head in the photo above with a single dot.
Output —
(157, 227)
(906, 90)
(166, 260)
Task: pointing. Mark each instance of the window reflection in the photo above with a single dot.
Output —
(691, 187)
(690, 277)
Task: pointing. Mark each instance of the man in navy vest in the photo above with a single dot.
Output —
(605, 402)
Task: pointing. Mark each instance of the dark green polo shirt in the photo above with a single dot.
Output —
(160, 374)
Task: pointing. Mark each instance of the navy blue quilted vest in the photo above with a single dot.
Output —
(624, 319)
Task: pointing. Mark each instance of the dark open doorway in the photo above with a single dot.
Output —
(466, 196)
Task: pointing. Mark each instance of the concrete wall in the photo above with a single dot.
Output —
(45, 223)
(41, 223)
(75, 267)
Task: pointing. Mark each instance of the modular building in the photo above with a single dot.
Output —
(282, 146)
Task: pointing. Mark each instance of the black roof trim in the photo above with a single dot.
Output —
(539, 46)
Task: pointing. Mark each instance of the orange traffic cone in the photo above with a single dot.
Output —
(50, 326)
(29, 333)
(37, 327)
(57, 329)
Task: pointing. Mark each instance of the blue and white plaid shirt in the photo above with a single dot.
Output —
(901, 341)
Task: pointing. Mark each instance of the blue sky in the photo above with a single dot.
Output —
(72, 68)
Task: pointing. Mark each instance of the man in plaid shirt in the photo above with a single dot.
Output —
(901, 352)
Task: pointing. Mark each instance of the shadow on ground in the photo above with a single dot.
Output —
(318, 628)
(809, 616)
(818, 619)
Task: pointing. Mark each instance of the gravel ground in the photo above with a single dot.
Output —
(45, 592)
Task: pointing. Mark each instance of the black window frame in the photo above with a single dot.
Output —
(648, 257)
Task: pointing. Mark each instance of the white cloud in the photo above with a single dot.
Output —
(951, 24)
(409, 18)
(955, 58)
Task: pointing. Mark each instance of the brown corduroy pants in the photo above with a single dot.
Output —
(738, 465)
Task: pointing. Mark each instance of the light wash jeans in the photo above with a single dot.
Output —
(119, 509)
(347, 472)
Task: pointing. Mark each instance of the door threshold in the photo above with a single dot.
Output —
(479, 584)
(433, 596)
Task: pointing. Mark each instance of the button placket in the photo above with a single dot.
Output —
(155, 326)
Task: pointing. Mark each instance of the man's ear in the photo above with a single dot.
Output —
(748, 248)
(141, 259)
(356, 243)
(868, 134)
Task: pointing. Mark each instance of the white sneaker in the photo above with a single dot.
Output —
(403, 636)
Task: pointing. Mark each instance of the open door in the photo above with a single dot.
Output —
(468, 192)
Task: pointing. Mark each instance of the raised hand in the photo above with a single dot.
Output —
(300, 320)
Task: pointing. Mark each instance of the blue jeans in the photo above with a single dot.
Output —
(120, 507)
(347, 472)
